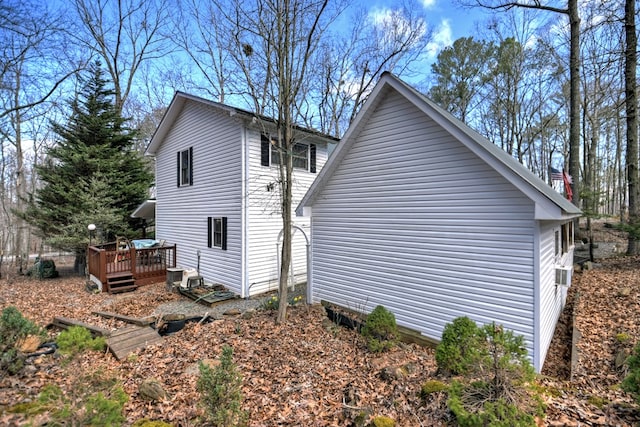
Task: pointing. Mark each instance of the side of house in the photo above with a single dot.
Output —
(264, 220)
(556, 265)
(198, 186)
(414, 213)
(219, 201)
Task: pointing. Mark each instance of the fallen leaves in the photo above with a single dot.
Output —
(310, 373)
(293, 374)
(607, 303)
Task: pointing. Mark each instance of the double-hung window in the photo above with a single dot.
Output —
(303, 155)
(185, 167)
(217, 232)
(563, 239)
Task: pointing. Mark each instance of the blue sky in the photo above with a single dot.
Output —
(447, 20)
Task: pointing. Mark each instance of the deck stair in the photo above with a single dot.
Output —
(121, 282)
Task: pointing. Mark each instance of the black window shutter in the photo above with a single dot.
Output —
(209, 231)
(178, 169)
(224, 233)
(265, 149)
(312, 158)
(190, 165)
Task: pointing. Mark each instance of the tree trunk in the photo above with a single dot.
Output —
(574, 122)
(21, 249)
(632, 124)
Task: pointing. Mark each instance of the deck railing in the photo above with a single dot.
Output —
(147, 265)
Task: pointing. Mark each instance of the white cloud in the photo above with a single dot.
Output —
(428, 4)
(441, 38)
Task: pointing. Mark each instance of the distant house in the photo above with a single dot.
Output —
(217, 194)
(417, 212)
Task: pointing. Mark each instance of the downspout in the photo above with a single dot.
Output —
(537, 295)
(309, 267)
(244, 215)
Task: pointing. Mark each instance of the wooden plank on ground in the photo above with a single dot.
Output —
(128, 319)
(124, 341)
(65, 323)
(207, 296)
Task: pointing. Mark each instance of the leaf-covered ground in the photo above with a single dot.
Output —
(309, 372)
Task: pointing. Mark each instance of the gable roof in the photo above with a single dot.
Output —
(549, 203)
(180, 99)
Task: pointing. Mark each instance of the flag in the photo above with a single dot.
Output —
(567, 177)
(567, 185)
(556, 175)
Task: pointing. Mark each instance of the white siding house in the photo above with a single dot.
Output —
(417, 212)
(217, 193)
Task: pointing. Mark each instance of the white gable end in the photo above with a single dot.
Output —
(413, 220)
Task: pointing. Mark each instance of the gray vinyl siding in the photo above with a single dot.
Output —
(182, 212)
(413, 220)
(552, 297)
(265, 222)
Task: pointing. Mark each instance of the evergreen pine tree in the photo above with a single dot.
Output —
(92, 175)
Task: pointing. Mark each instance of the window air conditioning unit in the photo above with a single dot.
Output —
(563, 275)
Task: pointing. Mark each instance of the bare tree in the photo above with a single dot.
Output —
(199, 32)
(124, 34)
(31, 72)
(271, 43)
(571, 11)
(631, 103)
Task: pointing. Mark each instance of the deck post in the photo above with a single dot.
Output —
(174, 255)
(103, 267)
(132, 257)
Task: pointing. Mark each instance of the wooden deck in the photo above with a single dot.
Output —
(145, 265)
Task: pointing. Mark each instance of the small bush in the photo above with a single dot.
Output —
(457, 352)
(220, 390)
(380, 330)
(495, 413)
(87, 407)
(77, 339)
(631, 383)
(496, 361)
(106, 409)
(504, 361)
(13, 328)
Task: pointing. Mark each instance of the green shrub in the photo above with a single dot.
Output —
(77, 339)
(631, 383)
(380, 329)
(87, 406)
(494, 413)
(504, 360)
(496, 361)
(13, 328)
(106, 409)
(457, 352)
(220, 390)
